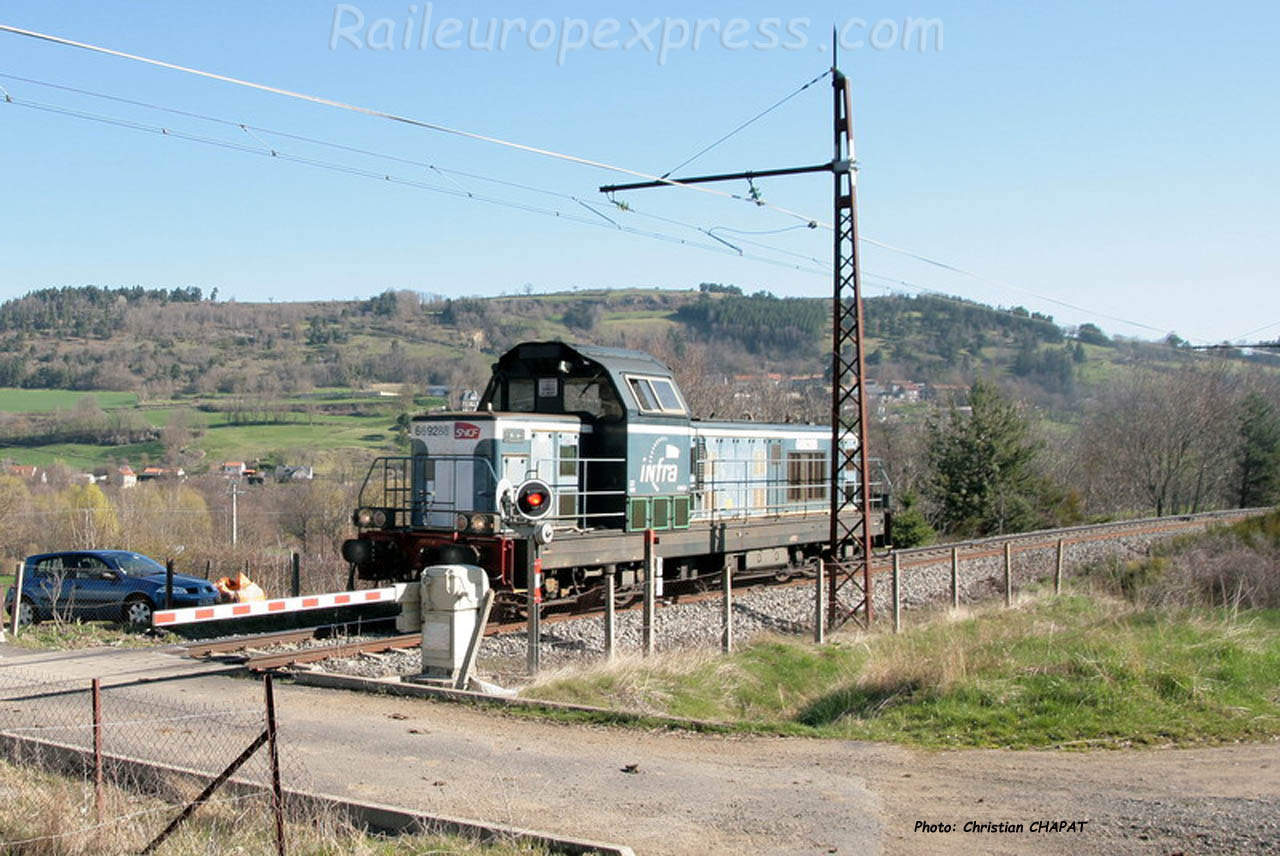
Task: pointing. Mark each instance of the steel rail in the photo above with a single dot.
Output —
(233, 644)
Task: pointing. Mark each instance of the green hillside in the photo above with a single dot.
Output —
(93, 375)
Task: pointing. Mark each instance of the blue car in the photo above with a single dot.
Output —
(116, 585)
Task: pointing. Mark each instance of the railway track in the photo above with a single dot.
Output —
(1045, 538)
(252, 649)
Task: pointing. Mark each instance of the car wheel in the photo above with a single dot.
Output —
(27, 612)
(137, 611)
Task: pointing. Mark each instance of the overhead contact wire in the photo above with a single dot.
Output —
(392, 117)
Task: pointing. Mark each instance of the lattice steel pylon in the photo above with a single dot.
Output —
(849, 553)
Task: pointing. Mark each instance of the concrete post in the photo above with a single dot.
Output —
(1057, 570)
(955, 577)
(610, 611)
(819, 607)
(897, 592)
(1008, 574)
(726, 622)
(650, 590)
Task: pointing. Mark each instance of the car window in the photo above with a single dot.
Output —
(92, 563)
(51, 566)
(138, 564)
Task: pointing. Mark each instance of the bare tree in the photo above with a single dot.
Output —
(1160, 440)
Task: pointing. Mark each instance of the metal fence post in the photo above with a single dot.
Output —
(610, 611)
(726, 619)
(168, 583)
(296, 587)
(1008, 574)
(1057, 570)
(273, 753)
(955, 577)
(897, 593)
(99, 798)
(819, 608)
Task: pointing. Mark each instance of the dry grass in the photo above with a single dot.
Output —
(52, 815)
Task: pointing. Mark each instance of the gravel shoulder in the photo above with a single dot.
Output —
(1219, 800)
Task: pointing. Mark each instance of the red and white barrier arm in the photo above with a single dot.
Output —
(278, 606)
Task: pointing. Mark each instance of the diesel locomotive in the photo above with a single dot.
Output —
(600, 444)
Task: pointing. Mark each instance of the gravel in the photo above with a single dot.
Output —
(785, 609)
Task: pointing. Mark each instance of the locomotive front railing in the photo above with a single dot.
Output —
(432, 490)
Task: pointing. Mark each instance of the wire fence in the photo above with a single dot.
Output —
(90, 769)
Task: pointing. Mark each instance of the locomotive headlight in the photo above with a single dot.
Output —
(364, 517)
(380, 517)
(462, 523)
(482, 523)
(533, 499)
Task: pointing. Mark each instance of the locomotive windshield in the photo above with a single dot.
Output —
(592, 395)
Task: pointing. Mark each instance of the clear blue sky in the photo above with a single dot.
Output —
(1119, 157)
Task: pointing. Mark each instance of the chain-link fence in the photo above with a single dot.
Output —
(89, 769)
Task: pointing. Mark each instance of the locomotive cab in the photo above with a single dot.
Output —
(635, 425)
(598, 425)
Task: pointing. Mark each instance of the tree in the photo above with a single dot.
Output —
(910, 528)
(176, 435)
(1258, 457)
(14, 520)
(982, 478)
(1091, 334)
(317, 513)
(1158, 439)
(88, 519)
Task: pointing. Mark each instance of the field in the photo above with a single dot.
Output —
(47, 400)
(321, 426)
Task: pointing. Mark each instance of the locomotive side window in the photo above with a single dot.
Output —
(655, 395)
(806, 476)
(667, 396)
(644, 394)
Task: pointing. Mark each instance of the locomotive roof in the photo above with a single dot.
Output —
(527, 358)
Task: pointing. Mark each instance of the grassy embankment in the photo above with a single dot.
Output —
(1093, 667)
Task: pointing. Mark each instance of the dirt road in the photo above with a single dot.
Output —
(691, 794)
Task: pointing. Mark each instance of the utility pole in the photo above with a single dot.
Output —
(849, 581)
(235, 515)
(848, 558)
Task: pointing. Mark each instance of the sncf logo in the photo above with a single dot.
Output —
(466, 431)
